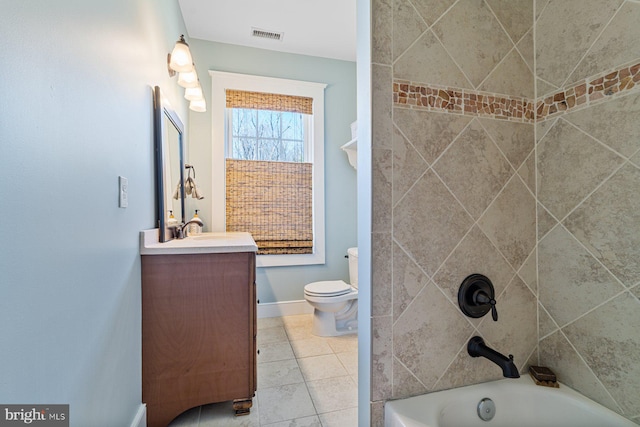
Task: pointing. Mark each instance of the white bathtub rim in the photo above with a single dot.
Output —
(405, 412)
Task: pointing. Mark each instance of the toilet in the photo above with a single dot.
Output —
(335, 303)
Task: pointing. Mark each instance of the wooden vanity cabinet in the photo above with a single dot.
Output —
(198, 332)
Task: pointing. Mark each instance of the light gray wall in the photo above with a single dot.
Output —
(76, 110)
(276, 284)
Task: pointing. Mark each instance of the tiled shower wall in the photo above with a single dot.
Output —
(454, 193)
(589, 198)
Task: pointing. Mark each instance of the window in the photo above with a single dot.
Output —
(254, 134)
(268, 157)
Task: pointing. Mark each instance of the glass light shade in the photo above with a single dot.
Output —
(188, 79)
(198, 105)
(193, 93)
(181, 60)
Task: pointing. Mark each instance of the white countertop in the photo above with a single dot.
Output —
(203, 243)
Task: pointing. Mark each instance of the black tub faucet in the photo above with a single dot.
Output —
(477, 348)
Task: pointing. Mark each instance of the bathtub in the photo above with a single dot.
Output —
(518, 403)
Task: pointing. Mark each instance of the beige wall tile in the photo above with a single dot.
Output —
(381, 358)
(475, 254)
(428, 223)
(545, 221)
(529, 272)
(407, 26)
(426, 230)
(467, 370)
(404, 382)
(570, 166)
(558, 354)
(614, 123)
(570, 280)
(635, 159)
(382, 176)
(514, 238)
(516, 140)
(430, 133)
(381, 100)
(542, 128)
(546, 324)
(419, 338)
(608, 340)
(473, 36)
(426, 61)
(617, 45)
(381, 31)
(381, 301)
(408, 165)
(516, 331)
(511, 77)
(408, 281)
(569, 28)
(539, 5)
(377, 414)
(532, 361)
(516, 16)
(486, 170)
(544, 88)
(525, 47)
(431, 10)
(527, 172)
(608, 224)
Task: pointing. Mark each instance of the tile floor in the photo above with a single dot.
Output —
(303, 381)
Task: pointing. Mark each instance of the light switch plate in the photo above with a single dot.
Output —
(123, 201)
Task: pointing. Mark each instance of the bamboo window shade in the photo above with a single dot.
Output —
(271, 200)
(269, 101)
(274, 202)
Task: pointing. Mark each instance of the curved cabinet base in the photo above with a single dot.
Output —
(198, 332)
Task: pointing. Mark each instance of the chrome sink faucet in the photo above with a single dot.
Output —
(180, 230)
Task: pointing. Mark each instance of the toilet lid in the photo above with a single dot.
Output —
(331, 288)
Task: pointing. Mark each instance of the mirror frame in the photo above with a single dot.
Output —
(164, 115)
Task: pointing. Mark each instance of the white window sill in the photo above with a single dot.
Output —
(289, 260)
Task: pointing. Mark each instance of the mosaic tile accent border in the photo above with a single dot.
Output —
(469, 102)
(462, 101)
(588, 91)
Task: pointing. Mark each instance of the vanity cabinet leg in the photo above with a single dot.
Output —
(242, 406)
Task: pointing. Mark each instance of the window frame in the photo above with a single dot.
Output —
(220, 82)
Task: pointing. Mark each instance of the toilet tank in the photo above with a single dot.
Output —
(353, 266)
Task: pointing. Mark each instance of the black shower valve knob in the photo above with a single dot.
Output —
(476, 297)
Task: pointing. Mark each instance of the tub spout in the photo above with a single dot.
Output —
(477, 348)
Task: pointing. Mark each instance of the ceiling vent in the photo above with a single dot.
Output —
(264, 34)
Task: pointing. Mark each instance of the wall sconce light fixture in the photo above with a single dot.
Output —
(180, 61)
(180, 58)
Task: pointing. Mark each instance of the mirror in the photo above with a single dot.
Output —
(168, 135)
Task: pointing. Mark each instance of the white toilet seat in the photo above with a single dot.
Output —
(331, 288)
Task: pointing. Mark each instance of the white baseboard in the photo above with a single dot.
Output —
(140, 419)
(285, 308)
